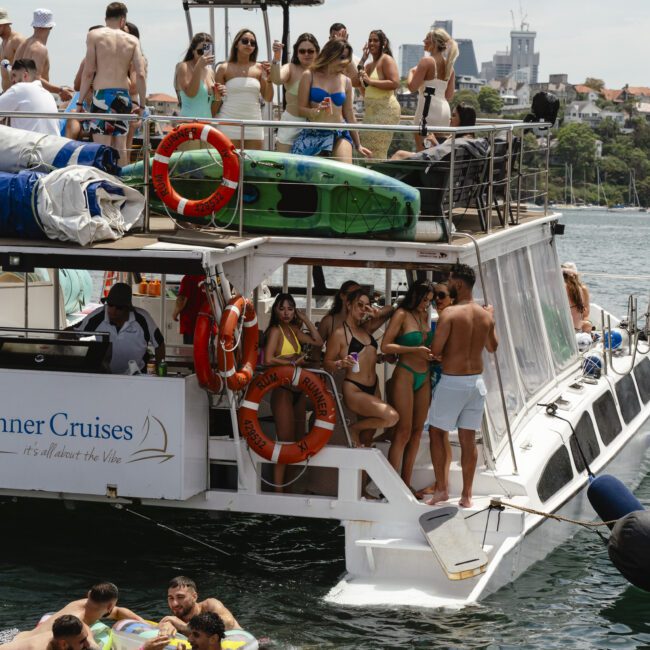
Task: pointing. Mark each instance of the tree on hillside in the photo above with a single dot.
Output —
(641, 133)
(489, 100)
(595, 84)
(613, 170)
(467, 97)
(576, 145)
(607, 129)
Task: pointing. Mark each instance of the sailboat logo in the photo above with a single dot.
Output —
(152, 425)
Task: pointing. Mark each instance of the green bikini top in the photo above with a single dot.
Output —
(414, 339)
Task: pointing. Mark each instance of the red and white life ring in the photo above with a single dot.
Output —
(160, 170)
(238, 379)
(205, 331)
(324, 415)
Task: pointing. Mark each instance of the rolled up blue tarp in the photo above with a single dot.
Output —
(16, 214)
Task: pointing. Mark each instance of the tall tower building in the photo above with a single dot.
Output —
(409, 55)
(524, 57)
(447, 25)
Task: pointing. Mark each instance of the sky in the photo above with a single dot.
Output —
(595, 38)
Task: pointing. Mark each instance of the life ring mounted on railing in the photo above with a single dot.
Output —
(160, 170)
(226, 362)
(324, 415)
(205, 331)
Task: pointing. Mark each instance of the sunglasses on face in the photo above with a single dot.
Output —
(441, 295)
(248, 41)
(301, 51)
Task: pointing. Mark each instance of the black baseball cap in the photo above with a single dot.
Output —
(120, 295)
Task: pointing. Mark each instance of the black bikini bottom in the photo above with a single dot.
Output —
(366, 389)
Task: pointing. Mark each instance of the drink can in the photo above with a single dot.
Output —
(355, 356)
(162, 368)
(151, 368)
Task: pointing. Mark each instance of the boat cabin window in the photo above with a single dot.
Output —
(557, 473)
(606, 415)
(514, 400)
(642, 376)
(627, 398)
(526, 330)
(555, 312)
(585, 434)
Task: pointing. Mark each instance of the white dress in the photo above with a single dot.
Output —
(242, 102)
(439, 112)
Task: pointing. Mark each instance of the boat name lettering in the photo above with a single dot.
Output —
(317, 395)
(266, 380)
(61, 425)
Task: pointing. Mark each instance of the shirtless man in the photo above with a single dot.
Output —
(182, 600)
(67, 633)
(101, 602)
(35, 48)
(10, 42)
(464, 329)
(110, 54)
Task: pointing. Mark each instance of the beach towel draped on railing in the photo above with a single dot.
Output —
(78, 204)
(29, 150)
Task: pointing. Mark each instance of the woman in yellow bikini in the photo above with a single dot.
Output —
(409, 335)
(282, 346)
(380, 78)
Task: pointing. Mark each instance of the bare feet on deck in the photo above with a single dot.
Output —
(465, 502)
(437, 497)
(425, 492)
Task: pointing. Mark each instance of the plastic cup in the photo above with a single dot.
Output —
(355, 356)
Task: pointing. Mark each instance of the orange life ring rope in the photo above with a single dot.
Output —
(238, 379)
(204, 330)
(160, 170)
(324, 412)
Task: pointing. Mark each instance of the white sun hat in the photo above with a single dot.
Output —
(43, 18)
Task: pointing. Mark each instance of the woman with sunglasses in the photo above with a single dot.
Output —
(325, 95)
(195, 82)
(352, 348)
(282, 346)
(245, 80)
(380, 78)
(305, 50)
(409, 335)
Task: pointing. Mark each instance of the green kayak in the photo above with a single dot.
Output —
(285, 193)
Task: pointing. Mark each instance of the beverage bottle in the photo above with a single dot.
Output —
(151, 368)
(162, 368)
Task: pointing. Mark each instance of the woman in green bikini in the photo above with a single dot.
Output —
(409, 335)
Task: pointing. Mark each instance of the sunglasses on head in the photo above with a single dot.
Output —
(248, 41)
(441, 295)
(303, 51)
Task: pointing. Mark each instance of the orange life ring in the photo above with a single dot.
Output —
(160, 170)
(324, 412)
(204, 330)
(238, 379)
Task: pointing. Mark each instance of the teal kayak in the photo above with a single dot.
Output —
(285, 193)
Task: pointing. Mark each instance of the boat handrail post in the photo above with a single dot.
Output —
(602, 329)
(452, 161)
(26, 300)
(163, 300)
(520, 173)
(285, 278)
(548, 162)
(337, 399)
(388, 299)
(241, 180)
(488, 220)
(146, 145)
(309, 285)
(506, 206)
(56, 287)
(504, 405)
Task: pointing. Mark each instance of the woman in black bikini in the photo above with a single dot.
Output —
(360, 389)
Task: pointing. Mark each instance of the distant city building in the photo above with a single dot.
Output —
(447, 25)
(559, 85)
(466, 61)
(586, 112)
(407, 100)
(468, 82)
(163, 104)
(409, 55)
(521, 61)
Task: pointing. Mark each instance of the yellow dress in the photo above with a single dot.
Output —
(381, 107)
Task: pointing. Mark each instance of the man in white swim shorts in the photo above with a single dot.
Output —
(464, 329)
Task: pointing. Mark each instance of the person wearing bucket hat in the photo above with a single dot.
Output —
(131, 329)
(11, 41)
(35, 48)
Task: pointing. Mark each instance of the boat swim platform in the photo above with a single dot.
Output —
(173, 249)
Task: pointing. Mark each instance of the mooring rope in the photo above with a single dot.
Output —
(497, 503)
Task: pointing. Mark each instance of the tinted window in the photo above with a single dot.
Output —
(642, 376)
(585, 435)
(627, 399)
(556, 474)
(607, 418)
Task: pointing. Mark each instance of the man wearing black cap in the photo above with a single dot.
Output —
(131, 329)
